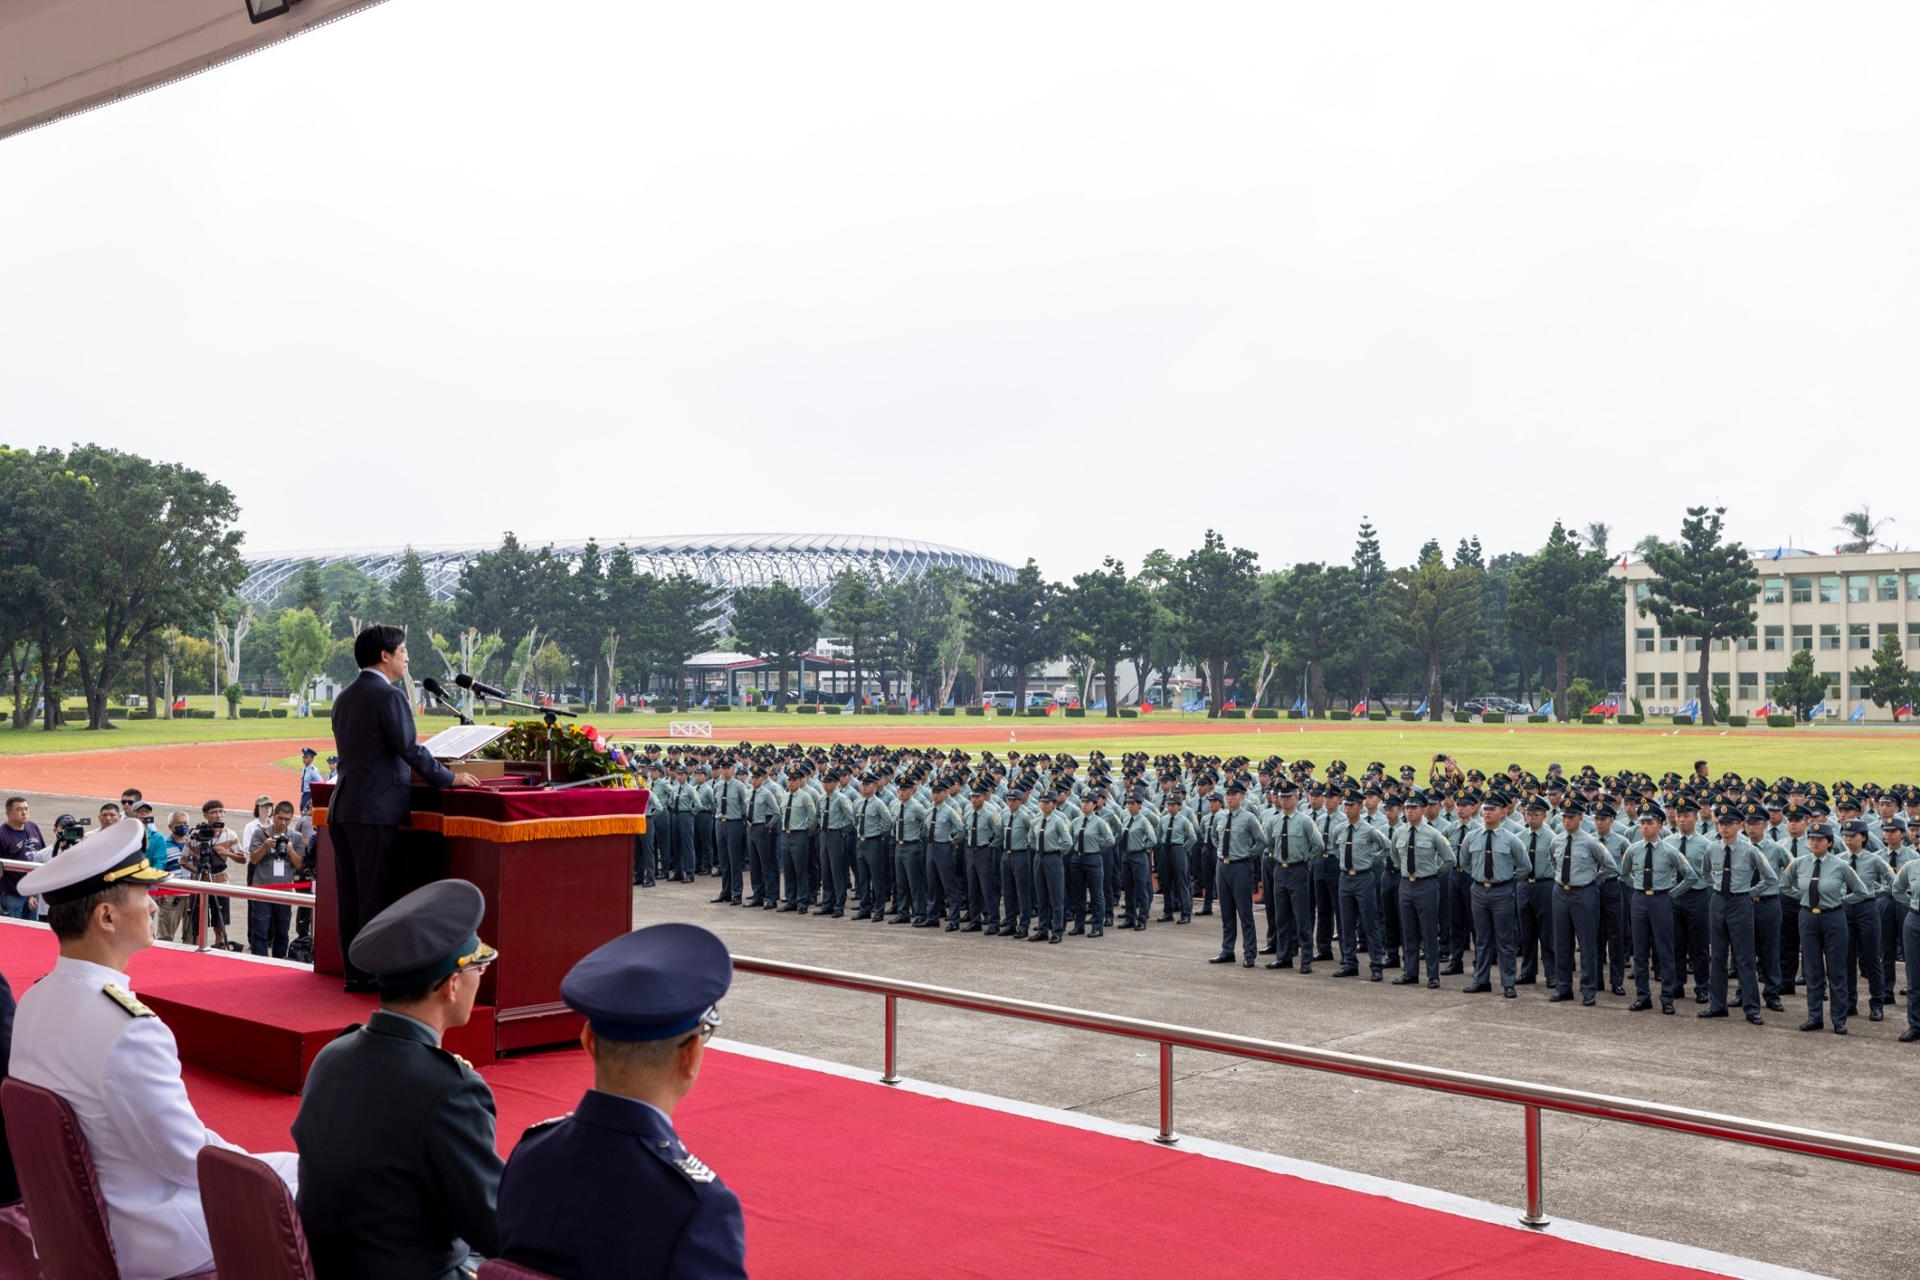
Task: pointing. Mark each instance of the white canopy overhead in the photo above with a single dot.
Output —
(58, 57)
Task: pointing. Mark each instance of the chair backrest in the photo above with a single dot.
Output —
(17, 1260)
(57, 1182)
(500, 1269)
(257, 1232)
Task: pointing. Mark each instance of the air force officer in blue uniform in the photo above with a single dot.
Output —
(609, 1191)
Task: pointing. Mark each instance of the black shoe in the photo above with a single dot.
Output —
(1773, 1003)
(1874, 1014)
(1813, 1024)
(1587, 1001)
(1036, 937)
(976, 927)
(992, 930)
(1451, 969)
(769, 906)
(1405, 980)
(1225, 957)
(1699, 997)
(1184, 919)
(1166, 919)
(1509, 993)
(1839, 1027)
(1756, 1020)
(722, 898)
(1526, 982)
(1076, 931)
(1139, 926)
(1433, 984)
(785, 906)
(1268, 949)
(1558, 996)
(1640, 1006)
(1323, 954)
(1853, 1011)
(1248, 962)
(1204, 911)
(824, 910)
(1346, 973)
(1392, 961)
(1275, 964)
(1305, 968)
(1101, 933)
(861, 915)
(1479, 989)
(1909, 1036)
(1375, 975)
(1618, 989)
(1666, 1007)
(751, 902)
(1787, 988)
(1053, 937)
(926, 924)
(1711, 1013)
(953, 926)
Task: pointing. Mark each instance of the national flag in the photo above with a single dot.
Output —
(913, 704)
(949, 700)
(1300, 704)
(1546, 708)
(707, 701)
(1904, 709)
(849, 705)
(1777, 553)
(1146, 708)
(1421, 709)
(1100, 705)
(1765, 708)
(1230, 704)
(1600, 708)
(1859, 713)
(1819, 709)
(1360, 707)
(1691, 707)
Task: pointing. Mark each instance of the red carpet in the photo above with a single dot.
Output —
(854, 1180)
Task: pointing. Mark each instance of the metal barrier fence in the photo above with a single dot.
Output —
(1532, 1099)
(201, 891)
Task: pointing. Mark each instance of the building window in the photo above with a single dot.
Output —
(1859, 588)
(1669, 684)
(1802, 636)
(1669, 644)
(1773, 679)
(1889, 586)
(1829, 588)
(1803, 589)
(1642, 592)
(1749, 643)
(1776, 639)
(1749, 685)
(1886, 629)
(1719, 679)
(1829, 635)
(1913, 635)
(1913, 586)
(1858, 637)
(1693, 644)
(1643, 682)
(1833, 685)
(1773, 591)
(1643, 639)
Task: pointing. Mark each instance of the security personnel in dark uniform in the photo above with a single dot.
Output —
(1240, 842)
(398, 1170)
(1821, 882)
(1649, 870)
(1495, 860)
(609, 1191)
(1734, 872)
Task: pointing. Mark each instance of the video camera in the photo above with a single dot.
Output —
(206, 862)
(69, 831)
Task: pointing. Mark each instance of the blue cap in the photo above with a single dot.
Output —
(650, 984)
(425, 936)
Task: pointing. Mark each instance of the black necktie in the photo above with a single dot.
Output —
(1646, 875)
(1488, 877)
(1286, 830)
(1813, 888)
(1349, 846)
(1726, 872)
(976, 828)
(1080, 841)
(1533, 852)
(1226, 837)
(790, 796)
(1566, 864)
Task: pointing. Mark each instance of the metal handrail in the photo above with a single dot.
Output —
(200, 890)
(1531, 1098)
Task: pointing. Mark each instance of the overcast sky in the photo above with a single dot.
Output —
(1061, 280)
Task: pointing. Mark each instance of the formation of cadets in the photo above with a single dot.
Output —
(1685, 881)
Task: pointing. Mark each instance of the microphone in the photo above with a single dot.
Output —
(439, 694)
(466, 681)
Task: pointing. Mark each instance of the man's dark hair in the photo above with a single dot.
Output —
(285, 806)
(391, 996)
(637, 1055)
(210, 806)
(375, 642)
(131, 794)
(68, 920)
(14, 800)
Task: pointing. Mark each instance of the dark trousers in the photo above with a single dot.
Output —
(363, 863)
(758, 860)
(1050, 893)
(1910, 935)
(1690, 935)
(1863, 951)
(731, 837)
(1293, 884)
(1388, 912)
(834, 848)
(1270, 900)
(1576, 919)
(1457, 918)
(1823, 957)
(683, 851)
(943, 880)
(795, 865)
(1766, 944)
(1789, 942)
(910, 879)
(1235, 881)
(267, 928)
(1359, 915)
(870, 877)
(1613, 931)
(1730, 922)
(983, 884)
(1116, 879)
(1136, 872)
(1893, 920)
(1496, 932)
(1326, 891)
(1652, 915)
(643, 857)
(664, 848)
(1533, 903)
(703, 843)
(1176, 886)
(1016, 886)
(1087, 887)
(1205, 870)
(1420, 924)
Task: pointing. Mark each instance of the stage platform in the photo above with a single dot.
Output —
(843, 1176)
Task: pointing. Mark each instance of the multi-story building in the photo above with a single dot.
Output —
(1841, 607)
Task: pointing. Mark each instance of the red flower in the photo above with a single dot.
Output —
(588, 731)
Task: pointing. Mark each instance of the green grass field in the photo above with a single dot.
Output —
(1885, 754)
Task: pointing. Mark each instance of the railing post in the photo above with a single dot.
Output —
(200, 921)
(893, 1034)
(1536, 1214)
(1166, 1095)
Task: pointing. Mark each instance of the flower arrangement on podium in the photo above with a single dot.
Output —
(579, 752)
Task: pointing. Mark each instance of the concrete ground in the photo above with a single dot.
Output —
(1789, 1210)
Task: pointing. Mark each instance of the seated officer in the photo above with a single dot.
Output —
(398, 1170)
(115, 1062)
(609, 1191)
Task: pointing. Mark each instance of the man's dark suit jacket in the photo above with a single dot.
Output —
(379, 754)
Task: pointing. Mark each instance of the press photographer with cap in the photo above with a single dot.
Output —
(398, 1170)
(82, 1033)
(609, 1191)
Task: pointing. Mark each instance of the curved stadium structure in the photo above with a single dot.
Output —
(808, 561)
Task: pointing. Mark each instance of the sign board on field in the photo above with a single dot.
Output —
(689, 728)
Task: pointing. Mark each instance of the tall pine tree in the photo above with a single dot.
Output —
(1703, 587)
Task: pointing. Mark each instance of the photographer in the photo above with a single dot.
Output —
(276, 855)
(176, 909)
(211, 848)
(19, 839)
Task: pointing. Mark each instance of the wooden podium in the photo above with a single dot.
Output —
(557, 871)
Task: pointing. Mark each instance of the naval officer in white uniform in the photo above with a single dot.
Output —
(81, 1033)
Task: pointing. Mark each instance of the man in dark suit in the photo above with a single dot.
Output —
(608, 1193)
(379, 754)
(398, 1169)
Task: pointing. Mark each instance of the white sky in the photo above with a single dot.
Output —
(1061, 280)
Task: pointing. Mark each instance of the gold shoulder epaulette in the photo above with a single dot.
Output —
(127, 1000)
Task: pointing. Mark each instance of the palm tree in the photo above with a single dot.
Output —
(1863, 529)
(1651, 543)
(1596, 536)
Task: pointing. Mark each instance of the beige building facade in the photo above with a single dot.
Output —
(1840, 607)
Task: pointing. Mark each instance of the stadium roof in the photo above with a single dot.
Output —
(807, 561)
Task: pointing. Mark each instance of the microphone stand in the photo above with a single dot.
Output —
(454, 707)
(549, 714)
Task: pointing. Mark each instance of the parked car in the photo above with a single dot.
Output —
(1494, 702)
